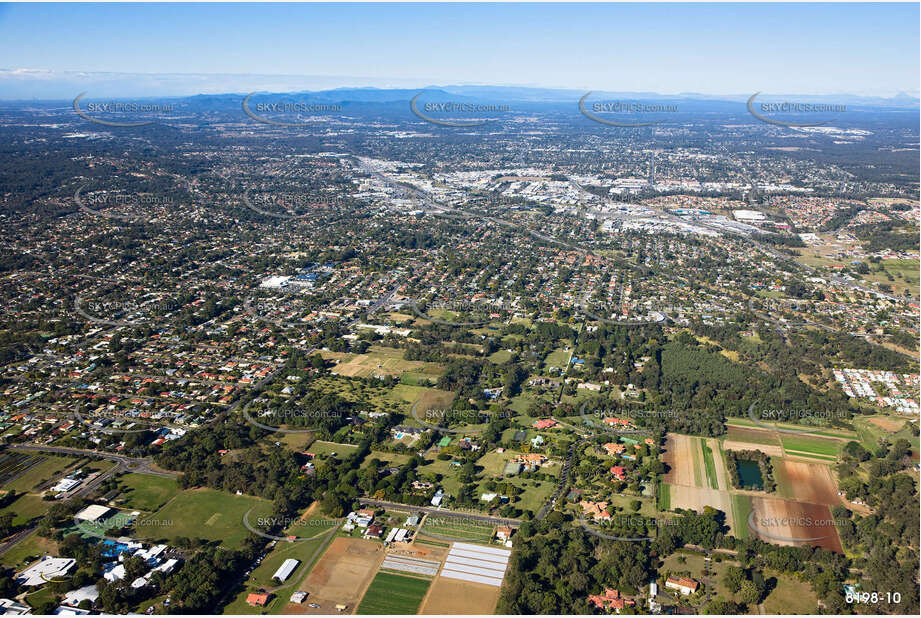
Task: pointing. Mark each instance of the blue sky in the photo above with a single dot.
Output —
(867, 49)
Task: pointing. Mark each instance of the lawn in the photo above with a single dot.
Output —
(709, 464)
(393, 594)
(41, 472)
(322, 447)
(500, 357)
(205, 514)
(146, 492)
(558, 358)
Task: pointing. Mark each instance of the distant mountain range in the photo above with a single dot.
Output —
(28, 85)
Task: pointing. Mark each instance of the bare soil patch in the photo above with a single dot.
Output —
(341, 576)
(786, 522)
(453, 596)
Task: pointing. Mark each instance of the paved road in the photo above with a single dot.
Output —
(431, 510)
(83, 490)
(134, 464)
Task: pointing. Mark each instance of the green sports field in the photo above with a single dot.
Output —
(204, 514)
(393, 594)
(146, 492)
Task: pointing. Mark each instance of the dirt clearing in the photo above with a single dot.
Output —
(341, 576)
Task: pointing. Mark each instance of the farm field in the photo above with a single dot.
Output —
(453, 596)
(806, 482)
(206, 514)
(709, 464)
(696, 498)
(342, 575)
(146, 492)
(393, 594)
(810, 446)
(456, 529)
(684, 460)
(785, 522)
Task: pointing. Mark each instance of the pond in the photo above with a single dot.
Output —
(750, 474)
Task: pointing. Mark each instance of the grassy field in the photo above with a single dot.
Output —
(393, 594)
(457, 528)
(709, 464)
(321, 447)
(204, 514)
(873, 428)
(790, 596)
(27, 507)
(806, 444)
(500, 357)
(741, 510)
(558, 358)
(27, 550)
(146, 492)
(305, 551)
(41, 472)
(664, 497)
(381, 360)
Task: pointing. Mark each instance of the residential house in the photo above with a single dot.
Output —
(684, 585)
(611, 599)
